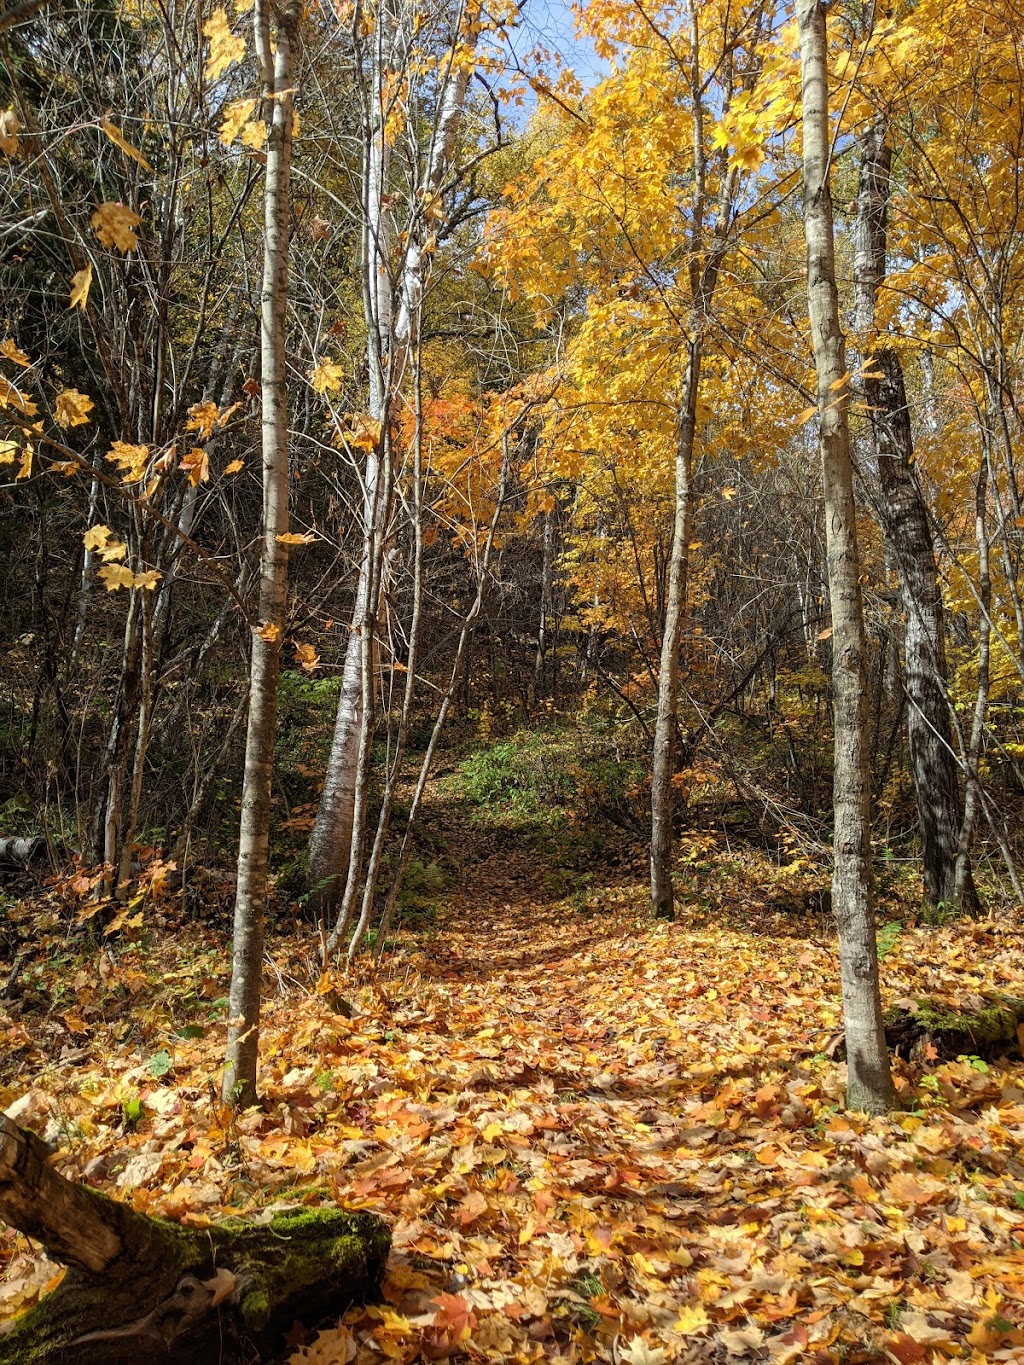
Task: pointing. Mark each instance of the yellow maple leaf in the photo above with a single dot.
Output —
(295, 538)
(270, 631)
(10, 127)
(8, 349)
(307, 657)
(254, 135)
(328, 377)
(72, 408)
(148, 579)
(114, 224)
(363, 431)
(197, 464)
(25, 467)
(692, 1318)
(81, 282)
(234, 467)
(119, 140)
(12, 397)
(225, 48)
(114, 576)
(96, 537)
(236, 114)
(113, 552)
(748, 156)
(8, 451)
(202, 418)
(130, 460)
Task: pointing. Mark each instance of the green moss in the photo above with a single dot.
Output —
(991, 1029)
(305, 1264)
(256, 1308)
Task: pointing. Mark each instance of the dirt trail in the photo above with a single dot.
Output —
(596, 1138)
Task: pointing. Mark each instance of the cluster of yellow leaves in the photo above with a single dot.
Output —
(205, 417)
(114, 574)
(16, 448)
(225, 48)
(114, 224)
(196, 464)
(239, 121)
(20, 452)
(358, 431)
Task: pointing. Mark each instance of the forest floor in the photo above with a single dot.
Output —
(596, 1138)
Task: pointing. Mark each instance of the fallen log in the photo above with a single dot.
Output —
(993, 1027)
(18, 853)
(143, 1289)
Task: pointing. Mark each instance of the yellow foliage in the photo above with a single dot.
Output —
(225, 47)
(72, 408)
(114, 225)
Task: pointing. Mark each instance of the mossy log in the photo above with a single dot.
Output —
(142, 1289)
(991, 1030)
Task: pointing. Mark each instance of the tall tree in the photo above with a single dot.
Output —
(392, 296)
(277, 75)
(870, 1084)
(904, 518)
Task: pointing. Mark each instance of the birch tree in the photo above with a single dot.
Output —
(870, 1084)
(392, 297)
(276, 60)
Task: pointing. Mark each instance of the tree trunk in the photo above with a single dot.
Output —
(142, 1289)
(336, 833)
(903, 515)
(239, 1082)
(870, 1084)
(664, 768)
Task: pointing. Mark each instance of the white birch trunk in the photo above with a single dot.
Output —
(336, 833)
(276, 67)
(870, 1081)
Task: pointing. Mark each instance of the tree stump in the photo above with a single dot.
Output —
(143, 1289)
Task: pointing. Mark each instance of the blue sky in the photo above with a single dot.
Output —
(549, 23)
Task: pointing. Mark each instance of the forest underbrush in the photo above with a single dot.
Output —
(597, 1137)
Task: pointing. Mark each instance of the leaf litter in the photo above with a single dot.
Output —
(596, 1139)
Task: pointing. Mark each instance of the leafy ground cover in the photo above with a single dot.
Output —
(596, 1138)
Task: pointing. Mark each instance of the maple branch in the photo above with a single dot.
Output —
(147, 508)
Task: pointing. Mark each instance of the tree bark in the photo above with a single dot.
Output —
(666, 725)
(870, 1084)
(903, 515)
(142, 1289)
(390, 335)
(239, 1081)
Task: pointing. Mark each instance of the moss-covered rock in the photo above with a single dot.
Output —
(156, 1302)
